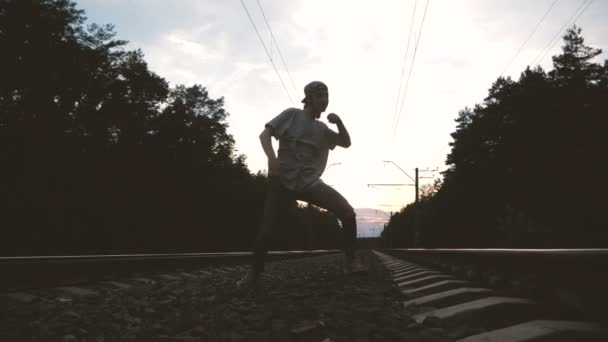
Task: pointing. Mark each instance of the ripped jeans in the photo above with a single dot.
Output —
(321, 195)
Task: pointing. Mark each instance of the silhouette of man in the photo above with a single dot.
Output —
(304, 144)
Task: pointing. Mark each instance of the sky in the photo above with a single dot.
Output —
(358, 48)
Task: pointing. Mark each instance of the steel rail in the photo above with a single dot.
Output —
(27, 272)
(507, 251)
(146, 257)
(575, 278)
(467, 308)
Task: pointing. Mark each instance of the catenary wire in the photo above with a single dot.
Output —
(571, 23)
(409, 36)
(267, 53)
(277, 45)
(411, 67)
(528, 38)
(555, 38)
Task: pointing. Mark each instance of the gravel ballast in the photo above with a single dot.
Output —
(298, 300)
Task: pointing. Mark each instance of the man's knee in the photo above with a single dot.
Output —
(349, 214)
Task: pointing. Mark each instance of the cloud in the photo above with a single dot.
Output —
(370, 222)
(357, 48)
(191, 48)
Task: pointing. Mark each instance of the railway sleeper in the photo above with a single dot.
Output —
(459, 310)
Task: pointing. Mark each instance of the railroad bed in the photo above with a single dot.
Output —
(27, 272)
(303, 299)
(467, 311)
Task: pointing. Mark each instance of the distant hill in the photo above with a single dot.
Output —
(370, 222)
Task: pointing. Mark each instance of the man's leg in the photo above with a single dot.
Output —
(328, 198)
(276, 197)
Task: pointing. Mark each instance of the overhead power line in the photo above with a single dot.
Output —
(529, 36)
(411, 67)
(571, 23)
(267, 53)
(277, 45)
(556, 37)
(407, 48)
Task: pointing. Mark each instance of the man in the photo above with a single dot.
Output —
(304, 144)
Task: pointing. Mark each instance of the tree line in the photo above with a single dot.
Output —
(98, 154)
(527, 167)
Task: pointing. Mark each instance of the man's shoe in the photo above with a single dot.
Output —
(249, 280)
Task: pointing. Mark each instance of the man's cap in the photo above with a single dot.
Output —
(313, 87)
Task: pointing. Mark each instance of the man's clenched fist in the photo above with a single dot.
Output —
(333, 118)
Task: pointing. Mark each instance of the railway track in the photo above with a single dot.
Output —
(502, 295)
(453, 295)
(34, 272)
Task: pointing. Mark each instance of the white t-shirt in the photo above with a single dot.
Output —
(304, 145)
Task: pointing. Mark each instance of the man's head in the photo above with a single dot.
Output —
(316, 97)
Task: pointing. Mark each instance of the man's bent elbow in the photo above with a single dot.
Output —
(266, 133)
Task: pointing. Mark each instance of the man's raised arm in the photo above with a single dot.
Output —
(344, 137)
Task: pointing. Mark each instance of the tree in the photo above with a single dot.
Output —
(573, 66)
(512, 179)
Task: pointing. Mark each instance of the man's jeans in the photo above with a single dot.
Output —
(322, 195)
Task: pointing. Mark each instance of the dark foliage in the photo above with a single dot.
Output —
(527, 166)
(99, 155)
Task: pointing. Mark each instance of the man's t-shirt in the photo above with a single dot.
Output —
(304, 145)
